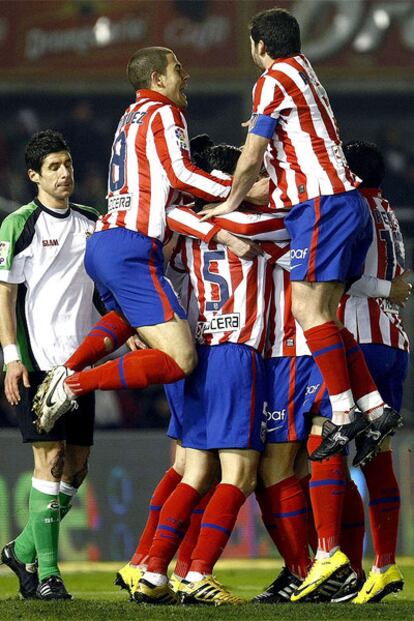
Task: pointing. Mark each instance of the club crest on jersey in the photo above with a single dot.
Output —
(181, 138)
(4, 251)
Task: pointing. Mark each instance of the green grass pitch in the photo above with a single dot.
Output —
(97, 598)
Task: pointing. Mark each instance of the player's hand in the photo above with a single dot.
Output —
(245, 248)
(400, 289)
(216, 209)
(15, 372)
(134, 343)
(241, 247)
(259, 193)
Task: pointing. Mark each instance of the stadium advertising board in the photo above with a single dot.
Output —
(70, 40)
(110, 509)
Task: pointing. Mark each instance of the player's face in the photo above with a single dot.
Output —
(175, 81)
(55, 180)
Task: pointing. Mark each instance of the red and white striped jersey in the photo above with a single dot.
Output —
(285, 336)
(232, 294)
(304, 158)
(150, 165)
(375, 319)
(251, 224)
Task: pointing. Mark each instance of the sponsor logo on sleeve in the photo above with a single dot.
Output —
(4, 251)
(181, 138)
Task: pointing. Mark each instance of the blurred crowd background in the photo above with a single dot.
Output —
(62, 66)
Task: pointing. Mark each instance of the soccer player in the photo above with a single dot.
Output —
(371, 310)
(293, 128)
(150, 164)
(45, 311)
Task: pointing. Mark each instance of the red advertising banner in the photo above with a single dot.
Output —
(92, 39)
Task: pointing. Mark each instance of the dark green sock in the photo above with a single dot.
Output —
(45, 519)
(24, 543)
(65, 504)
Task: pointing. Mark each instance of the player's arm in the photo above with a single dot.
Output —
(396, 290)
(256, 226)
(246, 173)
(173, 149)
(186, 222)
(15, 370)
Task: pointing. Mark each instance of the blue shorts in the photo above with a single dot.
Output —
(175, 397)
(330, 237)
(286, 382)
(224, 399)
(388, 367)
(128, 270)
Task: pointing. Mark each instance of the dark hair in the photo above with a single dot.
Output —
(41, 145)
(278, 30)
(365, 160)
(208, 156)
(144, 62)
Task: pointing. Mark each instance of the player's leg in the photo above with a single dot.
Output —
(284, 514)
(280, 494)
(238, 481)
(79, 429)
(234, 427)
(303, 475)
(109, 333)
(389, 368)
(129, 575)
(173, 520)
(138, 287)
(39, 539)
(330, 236)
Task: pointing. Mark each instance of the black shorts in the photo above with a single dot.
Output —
(75, 427)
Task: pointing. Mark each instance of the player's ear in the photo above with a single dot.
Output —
(157, 79)
(33, 175)
(261, 48)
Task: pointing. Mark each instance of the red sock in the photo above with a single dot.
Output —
(217, 525)
(137, 369)
(165, 487)
(327, 489)
(310, 524)
(328, 351)
(188, 543)
(172, 524)
(285, 513)
(108, 334)
(384, 507)
(363, 386)
(353, 527)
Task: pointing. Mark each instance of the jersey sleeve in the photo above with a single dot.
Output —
(269, 98)
(186, 222)
(173, 149)
(370, 287)
(13, 252)
(254, 225)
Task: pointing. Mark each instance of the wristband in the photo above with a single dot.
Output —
(11, 354)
